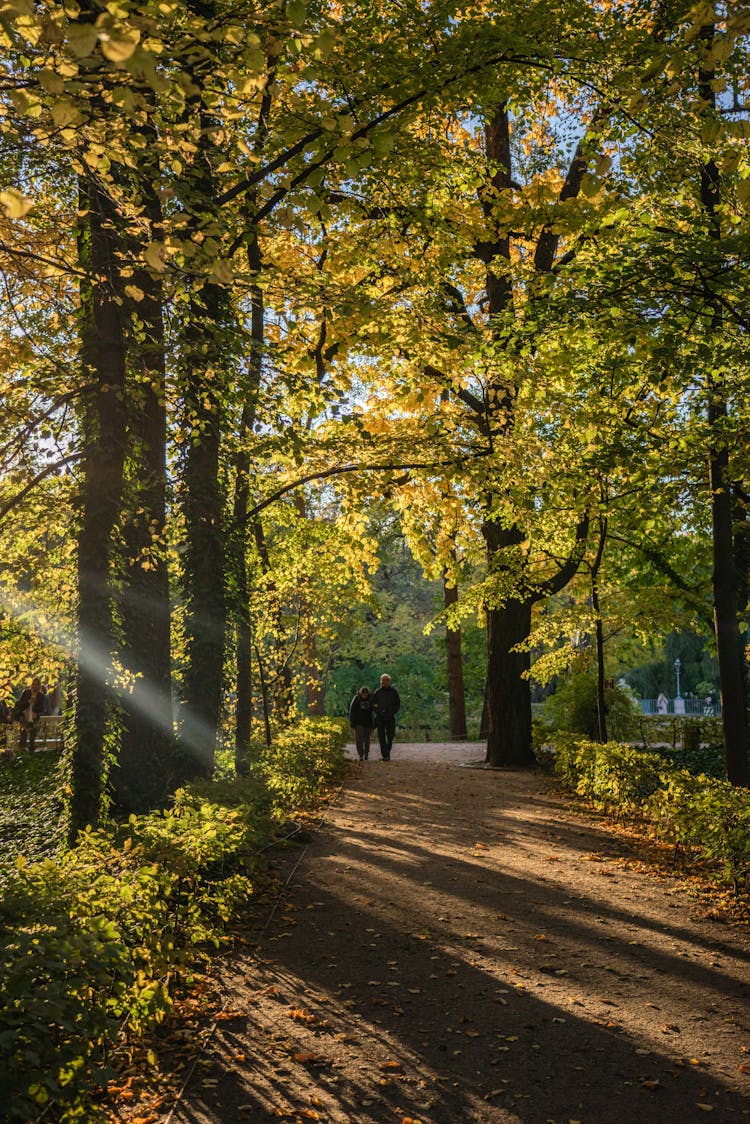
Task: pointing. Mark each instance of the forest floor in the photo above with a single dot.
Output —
(459, 944)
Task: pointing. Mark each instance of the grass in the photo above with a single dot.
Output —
(32, 819)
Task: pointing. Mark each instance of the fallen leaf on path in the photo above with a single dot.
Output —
(744, 1067)
(651, 1083)
(301, 1016)
(704, 1107)
(390, 1065)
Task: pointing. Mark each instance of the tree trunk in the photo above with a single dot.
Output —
(508, 688)
(729, 644)
(103, 436)
(601, 703)
(454, 654)
(143, 775)
(241, 605)
(204, 556)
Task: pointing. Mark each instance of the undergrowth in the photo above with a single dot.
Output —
(704, 817)
(93, 940)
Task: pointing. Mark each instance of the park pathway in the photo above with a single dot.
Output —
(455, 944)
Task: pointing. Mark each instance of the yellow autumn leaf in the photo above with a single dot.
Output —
(16, 204)
(119, 48)
(154, 256)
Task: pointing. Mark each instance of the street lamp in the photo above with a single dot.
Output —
(679, 703)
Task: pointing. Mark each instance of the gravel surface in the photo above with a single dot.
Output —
(457, 944)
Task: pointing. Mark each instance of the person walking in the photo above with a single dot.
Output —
(360, 720)
(28, 710)
(386, 702)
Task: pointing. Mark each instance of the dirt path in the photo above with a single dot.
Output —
(454, 945)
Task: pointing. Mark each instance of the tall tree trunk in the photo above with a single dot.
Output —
(601, 703)
(103, 435)
(207, 352)
(243, 653)
(454, 655)
(729, 642)
(241, 600)
(242, 618)
(508, 625)
(143, 775)
(508, 687)
(204, 554)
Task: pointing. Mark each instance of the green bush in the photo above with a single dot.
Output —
(614, 776)
(708, 819)
(301, 760)
(93, 939)
(573, 708)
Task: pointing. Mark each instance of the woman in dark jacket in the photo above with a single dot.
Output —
(360, 719)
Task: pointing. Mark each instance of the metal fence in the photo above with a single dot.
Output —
(692, 706)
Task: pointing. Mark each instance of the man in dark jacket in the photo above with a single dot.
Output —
(386, 702)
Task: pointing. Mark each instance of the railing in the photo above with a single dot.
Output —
(692, 706)
(45, 734)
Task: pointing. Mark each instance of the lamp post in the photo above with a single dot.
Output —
(679, 702)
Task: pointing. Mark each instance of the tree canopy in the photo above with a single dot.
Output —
(269, 267)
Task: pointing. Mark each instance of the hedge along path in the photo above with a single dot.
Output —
(457, 944)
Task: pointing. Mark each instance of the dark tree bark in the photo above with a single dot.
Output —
(204, 548)
(142, 777)
(726, 580)
(103, 428)
(241, 590)
(454, 655)
(207, 344)
(601, 703)
(730, 648)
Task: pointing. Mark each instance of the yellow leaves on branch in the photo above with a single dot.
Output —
(15, 203)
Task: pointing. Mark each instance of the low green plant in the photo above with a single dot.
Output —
(301, 759)
(92, 939)
(707, 819)
(573, 708)
(614, 776)
(32, 813)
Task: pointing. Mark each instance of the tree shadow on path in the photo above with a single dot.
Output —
(463, 950)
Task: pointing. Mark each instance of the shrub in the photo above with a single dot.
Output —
(614, 776)
(709, 819)
(303, 758)
(706, 818)
(573, 708)
(92, 939)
